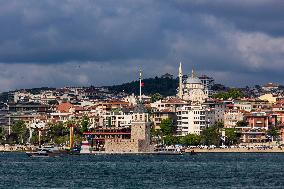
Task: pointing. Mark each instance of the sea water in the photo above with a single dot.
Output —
(207, 170)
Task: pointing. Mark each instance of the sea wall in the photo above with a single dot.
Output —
(238, 150)
(122, 145)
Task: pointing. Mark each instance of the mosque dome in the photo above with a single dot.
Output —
(193, 80)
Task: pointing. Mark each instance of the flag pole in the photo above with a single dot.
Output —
(140, 87)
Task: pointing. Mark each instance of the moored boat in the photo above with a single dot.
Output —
(41, 153)
(46, 151)
(169, 151)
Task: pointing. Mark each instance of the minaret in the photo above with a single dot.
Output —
(180, 81)
(192, 73)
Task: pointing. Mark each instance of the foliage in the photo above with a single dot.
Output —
(57, 133)
(84, 124)
(231, 94)
(231, 136)
(53, 102)
(34, 138)
(241, 123)
(171, 140)
(109, 121)
(164, 86)
(20, 129)
(2, 135)
(155, 97)
(167, 126)
(12, 138)
(4, 97)
(191, 139)
(219, 125)
(211, 135)
(35, 91)
(273, 132)
(60, 140)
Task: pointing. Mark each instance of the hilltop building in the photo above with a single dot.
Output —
(270, 87)
(208, 83)
(192, 88)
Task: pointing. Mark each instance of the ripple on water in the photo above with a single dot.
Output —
(211, 170)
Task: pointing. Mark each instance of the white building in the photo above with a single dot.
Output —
(171, 104)
(192, 88)
(117, 119)
(208, 83)
(193, 119)
(231, 117)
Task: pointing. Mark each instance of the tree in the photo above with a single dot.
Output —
(57, 133)
(235, 93)
(231, 136)
(155, 97)
(232, 93)
(171, 140)
(191, 139)
(84, 124)
(167, 126)
(273, 132)
(241, 123)
(53, 102)
(2, 134)
(219, 125)
(211, 135)
(20, 129)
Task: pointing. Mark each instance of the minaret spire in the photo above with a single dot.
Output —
(192, 73)
(180, 81)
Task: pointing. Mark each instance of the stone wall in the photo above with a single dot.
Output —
(127, 145)
(139, 142)
(123, 145)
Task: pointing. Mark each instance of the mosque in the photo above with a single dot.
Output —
(191, 89)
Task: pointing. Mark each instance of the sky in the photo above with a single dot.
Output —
(105, 42)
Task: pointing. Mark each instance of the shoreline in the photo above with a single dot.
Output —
(235, 150)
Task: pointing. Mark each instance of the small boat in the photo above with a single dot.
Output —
(75, 151)
(46, 151)
(41, 153)
(192, 152)
(168, 151)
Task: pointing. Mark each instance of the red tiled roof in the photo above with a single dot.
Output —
(64, 107)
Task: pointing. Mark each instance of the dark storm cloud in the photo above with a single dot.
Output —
(58, 31)
(44, 42)
(254, 15)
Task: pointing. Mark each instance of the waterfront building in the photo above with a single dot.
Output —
(232, 116)
(158, 116)
(140, 135)
(192, 119)
(117, 118)
(218, 107)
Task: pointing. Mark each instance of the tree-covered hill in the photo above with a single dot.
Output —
(164, 86)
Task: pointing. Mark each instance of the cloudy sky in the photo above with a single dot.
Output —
(104, 42)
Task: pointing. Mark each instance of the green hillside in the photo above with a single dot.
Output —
(164, 86)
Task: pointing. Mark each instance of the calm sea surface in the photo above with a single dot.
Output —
(211, 170)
